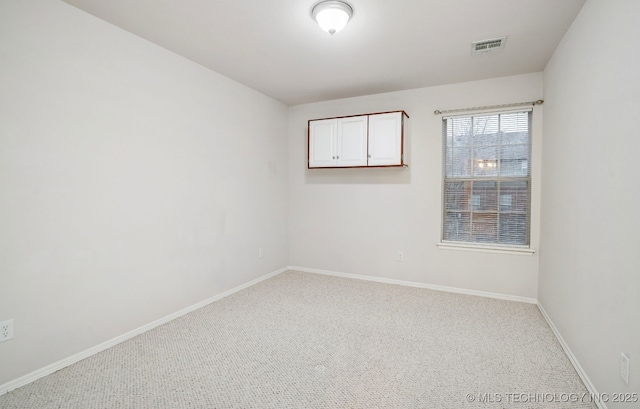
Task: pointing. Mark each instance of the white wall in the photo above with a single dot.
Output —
(589, 256)
(133, 183)
(355, 220)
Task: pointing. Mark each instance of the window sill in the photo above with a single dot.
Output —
(522, 251)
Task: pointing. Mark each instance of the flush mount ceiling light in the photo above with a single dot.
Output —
(331, 15)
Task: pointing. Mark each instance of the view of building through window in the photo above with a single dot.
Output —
(487, 178)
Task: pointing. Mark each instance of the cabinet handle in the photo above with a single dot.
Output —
(333, 157)
(369, 156)
(337, 157)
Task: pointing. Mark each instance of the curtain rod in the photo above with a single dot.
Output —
(519, 104)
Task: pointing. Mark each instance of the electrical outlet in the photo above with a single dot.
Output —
(260, 252)
(400, 256)
(6, 330)
(624, 368)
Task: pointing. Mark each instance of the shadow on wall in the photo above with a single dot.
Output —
(359, 176)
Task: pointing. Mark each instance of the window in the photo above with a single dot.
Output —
(487, 179)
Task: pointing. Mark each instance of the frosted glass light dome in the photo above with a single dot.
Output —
(332, 16)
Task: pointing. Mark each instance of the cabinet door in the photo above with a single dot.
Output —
(385, 139)
(322, 143)
(352, 141)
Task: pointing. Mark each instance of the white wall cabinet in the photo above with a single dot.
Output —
(338, 142)
(371, 140)
(322, 146)
(385, 139)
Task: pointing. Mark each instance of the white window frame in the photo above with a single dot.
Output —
(525, 249)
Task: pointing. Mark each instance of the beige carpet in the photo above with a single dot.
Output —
(301, 340)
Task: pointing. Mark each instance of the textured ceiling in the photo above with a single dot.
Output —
(274, 46)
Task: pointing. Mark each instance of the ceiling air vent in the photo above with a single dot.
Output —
(484, 46)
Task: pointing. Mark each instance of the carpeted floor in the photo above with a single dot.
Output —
(302, 340)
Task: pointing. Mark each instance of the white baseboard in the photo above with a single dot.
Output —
(574, 361)
(418, 285)
(24, 380)
(49, 369)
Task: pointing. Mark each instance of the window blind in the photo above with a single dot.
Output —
(487, 178)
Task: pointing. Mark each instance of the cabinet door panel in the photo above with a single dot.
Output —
(385, 139)
(322, 143)
(352, 141)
